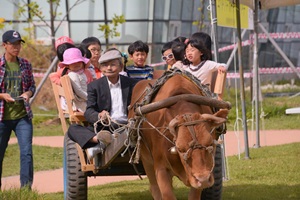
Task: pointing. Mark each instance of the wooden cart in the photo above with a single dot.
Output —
(76, 165)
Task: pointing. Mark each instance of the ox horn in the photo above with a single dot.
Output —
(217, 120)
(193, 98)
(172, 125)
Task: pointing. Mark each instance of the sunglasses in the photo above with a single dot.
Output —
(169, 56)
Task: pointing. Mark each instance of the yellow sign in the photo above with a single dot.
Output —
(226, 15)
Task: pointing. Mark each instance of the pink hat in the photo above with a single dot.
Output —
(62, 40)
(72, 55)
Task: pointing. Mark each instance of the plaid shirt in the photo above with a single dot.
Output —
(27, 82)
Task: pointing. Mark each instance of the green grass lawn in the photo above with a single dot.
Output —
(44, 158)
(272, 112)
(272, 173)
(272, 115)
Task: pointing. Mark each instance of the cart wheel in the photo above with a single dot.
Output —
(75, 181)
(215, 191)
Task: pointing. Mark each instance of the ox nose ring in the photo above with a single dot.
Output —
(173, 150)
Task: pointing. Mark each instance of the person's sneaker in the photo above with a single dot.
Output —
(93, 151)
(105, 137)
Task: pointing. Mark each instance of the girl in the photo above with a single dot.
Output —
(200, 65)
(61, 44)
(178, 51)
(75, 64)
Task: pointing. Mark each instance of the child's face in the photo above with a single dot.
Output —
(168, 55)
(139, 58)
(74, 67)
(111, 68)
(96, 50)
(193, 55)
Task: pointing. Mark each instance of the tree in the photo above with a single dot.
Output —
(200, 23)
(110, 30)
(34, 11)
(2, 20)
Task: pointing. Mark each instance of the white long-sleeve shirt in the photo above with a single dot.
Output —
(79, 85)
(204, 71)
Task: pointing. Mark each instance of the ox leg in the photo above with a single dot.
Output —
(194, 194)
(154, 189)
(164, 180)
(155, 192)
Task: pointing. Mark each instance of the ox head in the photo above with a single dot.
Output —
(195, 142)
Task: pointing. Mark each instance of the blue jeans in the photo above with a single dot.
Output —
(23, 130)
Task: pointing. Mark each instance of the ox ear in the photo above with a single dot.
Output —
(216, 121)
(223, 113)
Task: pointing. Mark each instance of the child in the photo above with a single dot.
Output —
(93, 44)
(62, 44)
(181, 39)
(75, 63)
(138, 52)
(205, 39)
(167, 54)
(200, 65)
(178, 51)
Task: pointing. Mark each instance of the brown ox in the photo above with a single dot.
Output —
(178, 136)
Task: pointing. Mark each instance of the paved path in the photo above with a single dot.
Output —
(234, 144)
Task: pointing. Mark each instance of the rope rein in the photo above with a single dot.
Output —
(133, 134)
(134, 126)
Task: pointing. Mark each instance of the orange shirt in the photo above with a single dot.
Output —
(98, 72)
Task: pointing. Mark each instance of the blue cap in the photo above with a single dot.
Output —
(11, 36)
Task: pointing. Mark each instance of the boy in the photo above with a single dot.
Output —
(17, 86)
(138, 52)
(93, 44)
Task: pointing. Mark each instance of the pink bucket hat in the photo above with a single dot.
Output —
(73, 55)
(62, 40)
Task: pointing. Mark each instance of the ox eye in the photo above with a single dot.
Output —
(181, 150)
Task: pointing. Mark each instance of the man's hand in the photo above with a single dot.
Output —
(103, 115)
(6, 97)
(26, 95)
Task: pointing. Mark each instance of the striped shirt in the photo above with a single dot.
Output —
(28, 83)
(140, 73)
